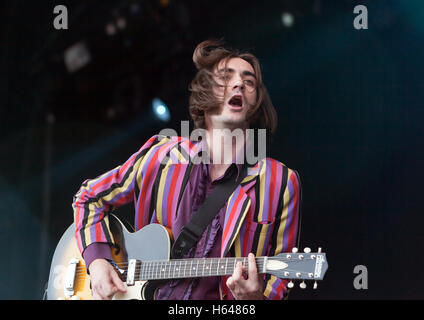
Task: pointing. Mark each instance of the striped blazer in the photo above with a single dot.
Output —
(262, 214)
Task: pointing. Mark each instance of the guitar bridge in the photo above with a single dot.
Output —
(68, 288)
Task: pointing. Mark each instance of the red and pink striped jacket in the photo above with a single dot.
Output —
(262, 214)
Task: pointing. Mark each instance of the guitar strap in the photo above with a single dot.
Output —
(204, 215)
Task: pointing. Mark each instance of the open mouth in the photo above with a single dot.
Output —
(236, 101)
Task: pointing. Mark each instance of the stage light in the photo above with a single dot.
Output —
(110, 29)
(121, 23)
(160, 110)
(77, 57)
(287, 19)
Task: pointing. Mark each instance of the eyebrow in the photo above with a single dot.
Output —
(245, 72)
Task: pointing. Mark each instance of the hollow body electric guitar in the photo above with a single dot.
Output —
(142, 257)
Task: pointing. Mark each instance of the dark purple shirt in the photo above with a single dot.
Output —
(199, 186)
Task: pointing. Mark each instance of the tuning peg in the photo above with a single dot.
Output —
(290, 284)
(307, 250)
(315, 285)
(294, 250)
(319, 249)
(302, 285)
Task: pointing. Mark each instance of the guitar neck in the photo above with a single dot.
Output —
(193, 268)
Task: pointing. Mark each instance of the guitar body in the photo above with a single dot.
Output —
(68, 278)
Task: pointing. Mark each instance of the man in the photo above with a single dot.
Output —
(260, 218)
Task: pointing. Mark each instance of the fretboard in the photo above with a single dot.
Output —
(192, 268)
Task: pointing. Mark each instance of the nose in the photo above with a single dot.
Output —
(238, 83)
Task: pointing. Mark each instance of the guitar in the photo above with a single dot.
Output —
(143, 256)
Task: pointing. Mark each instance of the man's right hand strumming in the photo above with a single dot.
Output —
(105, 282)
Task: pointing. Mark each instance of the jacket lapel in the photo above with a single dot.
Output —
(171, 181)
(237, 208)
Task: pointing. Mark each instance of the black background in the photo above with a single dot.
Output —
(349, 104)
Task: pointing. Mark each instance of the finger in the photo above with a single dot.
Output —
(230, 283)
(96, 290)
(95, 296)
(253, 270)
(108, 290)
(118, 283)
(238, 272)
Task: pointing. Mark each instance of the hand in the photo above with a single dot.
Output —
(105, 282)
(246, 289)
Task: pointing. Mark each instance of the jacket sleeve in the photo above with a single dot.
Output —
(287, 229)
(98, 197)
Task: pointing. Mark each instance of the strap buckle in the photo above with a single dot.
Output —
(184, 242)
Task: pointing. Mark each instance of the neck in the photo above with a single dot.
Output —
(192, 268)
(224, 144)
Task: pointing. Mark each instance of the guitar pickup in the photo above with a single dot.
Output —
(132, 270)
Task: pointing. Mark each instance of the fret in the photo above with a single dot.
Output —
(226, 262)
(191, 268)
(174, 268)
(207, 267)
(164, 274)
(168, 272)
(142, 270)
(197, 267)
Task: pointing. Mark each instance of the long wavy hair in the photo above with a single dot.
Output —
(207, 55)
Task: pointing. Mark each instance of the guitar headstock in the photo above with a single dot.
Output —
(296, 265)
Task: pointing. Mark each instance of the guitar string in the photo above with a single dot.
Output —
(208, 262)
(156, 273)
(154, 276)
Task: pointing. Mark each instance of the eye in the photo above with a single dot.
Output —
(227, 76)
(249, 82)
(224, 76)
